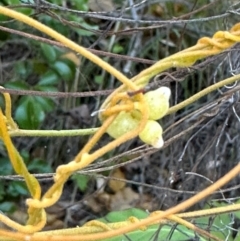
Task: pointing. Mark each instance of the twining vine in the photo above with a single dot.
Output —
(129, 102)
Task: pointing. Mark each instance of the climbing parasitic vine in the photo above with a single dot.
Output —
(124, 116)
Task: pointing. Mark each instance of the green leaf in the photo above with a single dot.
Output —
(80, 4)
(119, 216)
(153, 232)
(11, 2)
(219, 223)
(8, 207)
(6, 167)
(63, 70)
(3, 18)
(28, 1)
(17, 188)
(117, 48)
(49, 52)
(29, 114)
(23, 69)
(21, 116)
(156, 232)
(17, 85)
(81, 181)
(25, 155)
(98, 79)
(47, 104)
(46, 88)
(39, 166)
(26, 11)
(49, 78)
(85, 32)
(86, 26)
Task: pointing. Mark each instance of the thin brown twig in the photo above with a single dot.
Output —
(56, 94)
(98, 52)
(113, 16)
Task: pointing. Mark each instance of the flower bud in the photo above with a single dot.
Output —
(152, 134)
(158, 102)
(123, 123)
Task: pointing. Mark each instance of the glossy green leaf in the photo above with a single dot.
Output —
(28, 1)
(26, 11)
(219, 223)
(29, 113)
(3, 18)
(8, 207)
(117, 49)
(23, 69)
(39, 166)
(63, 70)
(25, 155)
(80, 4)
(49, 52)
(154, 232)
(46, 88)
(21, 116)
(35, 113)
(16, 188)
(47, 104)
(118, 216)
(6, 167)
(98, 79)
(49, 78)
(17, 85)
(81, 181)
(11, 2)
(85, 32)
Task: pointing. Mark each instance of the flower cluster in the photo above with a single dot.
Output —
(158, 104)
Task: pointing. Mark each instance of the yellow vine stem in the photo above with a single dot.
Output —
(82, 132)
(83, 159)
(202, 93)
(52, 133)
(106, 227)
(187, 215)
(73, 235)
(68, 43)
(86, 229)
(36, 212)
(205, 47)
(189, 225)
(37, 218)
(8, 111)
(63, 172)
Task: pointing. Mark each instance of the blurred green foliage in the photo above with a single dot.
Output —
(153, 232)
(45, 69)
(81, 181)
(11, 191)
